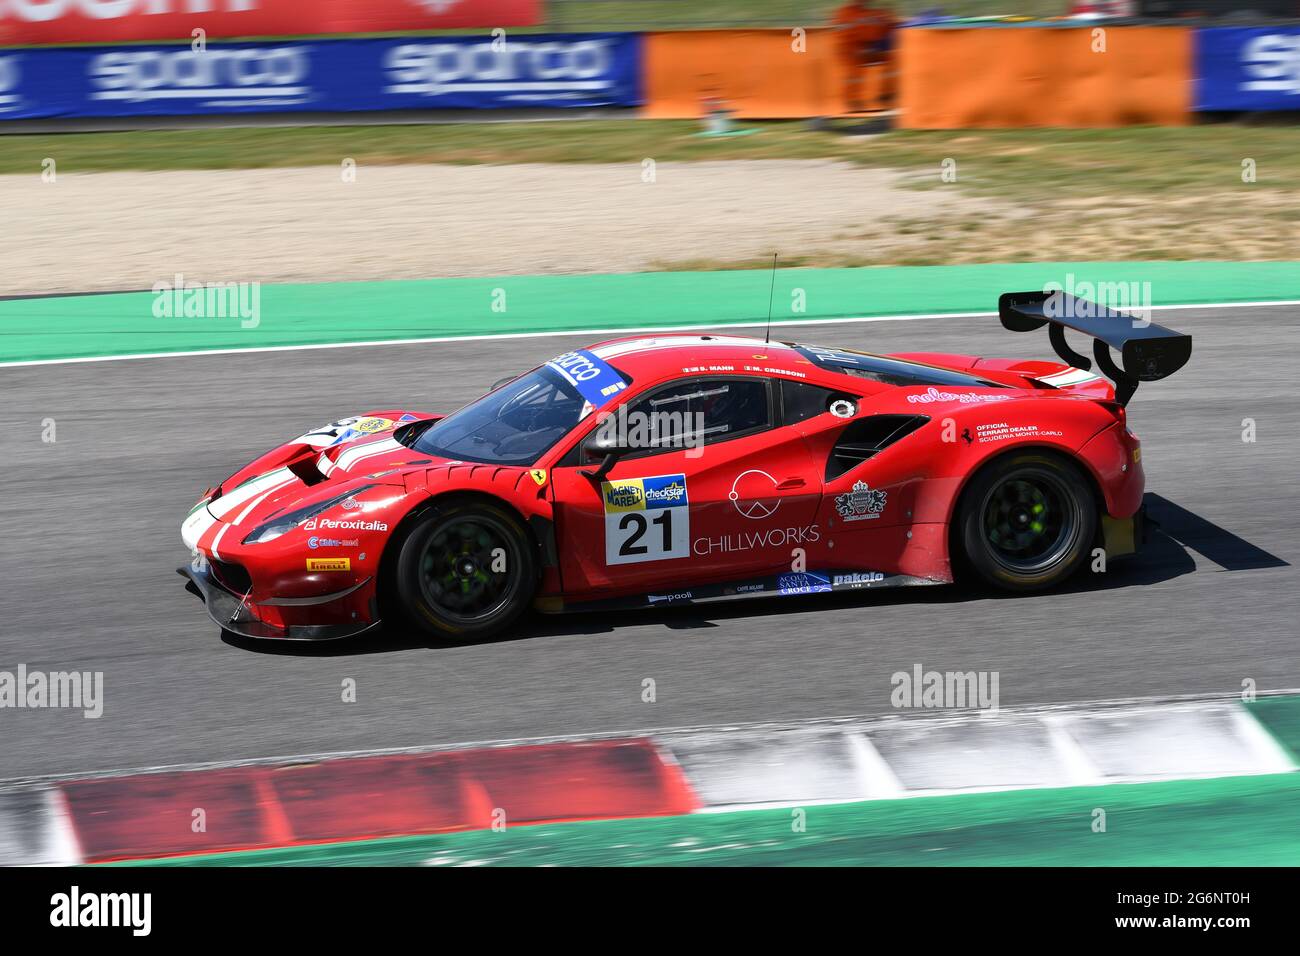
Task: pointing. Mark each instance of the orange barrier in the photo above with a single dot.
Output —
(756, 74)
(1015, 77)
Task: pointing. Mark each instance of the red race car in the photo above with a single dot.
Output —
(675, 469)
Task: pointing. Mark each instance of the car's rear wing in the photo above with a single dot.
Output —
(1148, 352)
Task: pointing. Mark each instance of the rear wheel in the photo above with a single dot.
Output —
(466, 570)
(1026, 521)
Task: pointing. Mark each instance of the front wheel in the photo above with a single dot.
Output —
(466, 570)
(1027, 520)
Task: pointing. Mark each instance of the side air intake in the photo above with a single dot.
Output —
(868, 437)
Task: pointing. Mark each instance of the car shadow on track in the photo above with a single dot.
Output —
(1174, 532)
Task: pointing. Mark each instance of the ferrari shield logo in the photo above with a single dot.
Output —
(538, 475)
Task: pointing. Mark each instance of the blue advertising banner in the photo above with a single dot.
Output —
(1247, 68)
(452, 72)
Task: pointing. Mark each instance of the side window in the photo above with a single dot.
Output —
(801, 401)
(702, 411)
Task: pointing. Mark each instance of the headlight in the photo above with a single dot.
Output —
(280, 524)
(270, 531)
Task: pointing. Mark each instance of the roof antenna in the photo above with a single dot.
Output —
(767, 335)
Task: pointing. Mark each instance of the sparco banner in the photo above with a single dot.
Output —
(1255, 68)
(114, 21)
(462, 72)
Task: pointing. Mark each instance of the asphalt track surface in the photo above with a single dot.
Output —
(90, 528)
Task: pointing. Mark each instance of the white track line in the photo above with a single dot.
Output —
(631, 330)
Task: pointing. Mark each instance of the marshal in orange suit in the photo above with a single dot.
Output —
(866, 39)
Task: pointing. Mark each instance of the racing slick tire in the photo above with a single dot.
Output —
(1027, 520)
(466, 569)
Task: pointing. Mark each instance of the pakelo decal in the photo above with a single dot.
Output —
(646, 519)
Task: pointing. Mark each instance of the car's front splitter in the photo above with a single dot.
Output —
(233, 613)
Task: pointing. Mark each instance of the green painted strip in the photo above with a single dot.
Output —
(1281, 717)
(1235, 821)
(297, 315)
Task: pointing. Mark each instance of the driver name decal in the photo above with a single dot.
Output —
(646, 519)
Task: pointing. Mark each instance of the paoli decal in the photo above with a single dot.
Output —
(862, 503)
(646, 519)
(933, 394)
(669, 598)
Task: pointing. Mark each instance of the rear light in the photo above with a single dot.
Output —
(1116, 409)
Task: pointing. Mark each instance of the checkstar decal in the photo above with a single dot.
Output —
(646, 519)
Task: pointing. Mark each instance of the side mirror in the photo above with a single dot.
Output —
(607, 454)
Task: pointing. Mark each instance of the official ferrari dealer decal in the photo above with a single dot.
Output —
(646, 519)
(862, 503)
(1001, 431)
(329, 564)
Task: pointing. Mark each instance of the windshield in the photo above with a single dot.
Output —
(513, 425)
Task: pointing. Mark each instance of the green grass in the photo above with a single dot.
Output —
(1025, 164)
(1281, 716)
(549, 142)
(685, 14)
